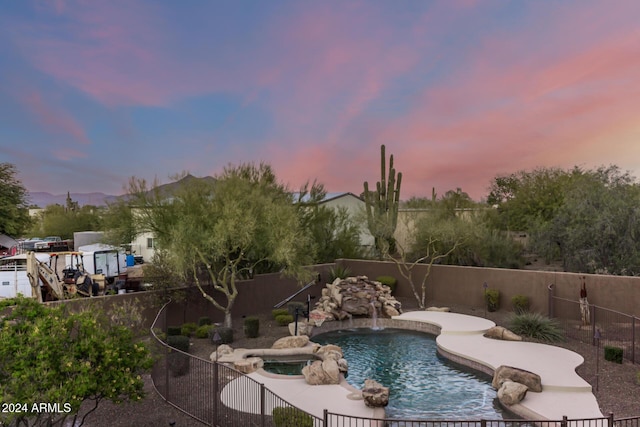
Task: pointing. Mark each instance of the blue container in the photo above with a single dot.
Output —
(131, 260)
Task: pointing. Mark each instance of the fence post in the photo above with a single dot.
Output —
(216, 385)
(593, 324)
(166, 358)
(550, 307)
(325, 418)
(564, 421)
(633, 339)
(610, 419)
(262, 405)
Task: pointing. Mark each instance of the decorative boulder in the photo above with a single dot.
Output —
(322, 372)
(248, 365)
(375, 394)
(390, 311)
(304, 328)
(223, 350)
(508, 373)
(501, 333)
(511, 393)
(291, 342)
(329, 352)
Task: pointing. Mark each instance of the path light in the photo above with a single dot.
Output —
(597, 337)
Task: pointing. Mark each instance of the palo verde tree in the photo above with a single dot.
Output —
(14, 214)
(220, 231)
(62, 359)
(382, 205)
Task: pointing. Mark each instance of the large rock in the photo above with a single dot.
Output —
(304, 328)
(322, 372)
(501, 333)
(291, 342)
(511, 393)
(329, 351)
(353, 296)
(375, 394)
(248, 365)
(439, 309)
(508, 373)
(223, 350)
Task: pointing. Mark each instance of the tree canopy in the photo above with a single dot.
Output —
(14, 212)
(51, 355)
(227, 229)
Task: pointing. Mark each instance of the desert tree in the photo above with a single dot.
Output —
(52, 355)
(14, 212)
(218, 232)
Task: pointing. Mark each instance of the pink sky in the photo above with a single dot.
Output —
(459, 92)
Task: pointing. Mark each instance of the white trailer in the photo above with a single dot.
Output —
(13, 275)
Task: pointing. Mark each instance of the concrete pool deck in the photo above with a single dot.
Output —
(564, 392)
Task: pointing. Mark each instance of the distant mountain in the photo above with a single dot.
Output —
(43, 200)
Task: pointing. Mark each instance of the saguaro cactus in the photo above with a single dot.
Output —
(382, 205)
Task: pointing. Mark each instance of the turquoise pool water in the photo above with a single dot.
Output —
(422, 384)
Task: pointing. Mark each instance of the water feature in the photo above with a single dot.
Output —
(422, 384)
(374, 318)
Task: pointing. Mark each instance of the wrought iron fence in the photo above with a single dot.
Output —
(220, 396)
(597, 325)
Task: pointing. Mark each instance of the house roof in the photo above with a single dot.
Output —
(328, 197)
(7, 242)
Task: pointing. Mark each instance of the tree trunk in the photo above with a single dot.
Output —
(227, 318)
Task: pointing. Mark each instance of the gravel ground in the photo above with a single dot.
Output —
(617, 388)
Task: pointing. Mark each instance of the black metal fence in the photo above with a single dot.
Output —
(596, 325)
(220, 396)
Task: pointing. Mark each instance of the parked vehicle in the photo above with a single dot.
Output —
(108, 261)
(53, 243)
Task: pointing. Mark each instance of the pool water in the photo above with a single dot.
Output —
(422, 384)
(285, 367)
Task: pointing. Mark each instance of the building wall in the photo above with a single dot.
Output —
(356, 209)
(446, 285)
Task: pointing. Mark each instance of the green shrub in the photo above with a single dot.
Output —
(251, 327)
(160, 334)
(492, 297)
(188, 329)
(203, 331)
(390, 281)
(536, 326)
(293, 305)
(279, 311)
(178, 362)
(520, 304)
(338, 272)
(204, 321)
(226, 334)
(178, 341)
(613, 354)
(291, 417)
(174, 330)
(284, 319)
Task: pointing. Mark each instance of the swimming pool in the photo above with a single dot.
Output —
(422, 384)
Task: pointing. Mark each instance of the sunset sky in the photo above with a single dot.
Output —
(93, 92)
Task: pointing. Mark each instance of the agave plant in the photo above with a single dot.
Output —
(537, 326)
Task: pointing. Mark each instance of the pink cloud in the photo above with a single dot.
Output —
(55, 119)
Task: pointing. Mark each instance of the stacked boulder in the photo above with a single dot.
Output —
(356, 297)
(513, 383)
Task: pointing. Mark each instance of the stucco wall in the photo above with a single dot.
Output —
(463, 285)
